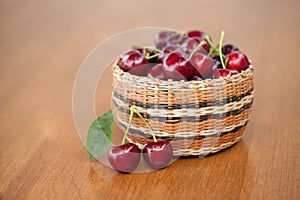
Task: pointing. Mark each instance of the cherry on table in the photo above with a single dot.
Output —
(223, 73)
(124, 158)
(158, 154)
(177, 66)
(237, 61)
(135, 63)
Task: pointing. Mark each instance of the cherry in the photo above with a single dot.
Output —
(161, 40)
(164, 35)
(157, 72)
(177, 66)
(203, 65)
(191, 43)
(177, 38)
(197, 78)
(196, 33)
(229, 48)
(237, 61)
(158, 154)
(135, 63)
(124, 158)
(140, 49)
(166, 51)
(223, 73)
(161, 44)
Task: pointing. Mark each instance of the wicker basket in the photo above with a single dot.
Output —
(197, 117)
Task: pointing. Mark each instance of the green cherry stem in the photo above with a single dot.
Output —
(153, 56)
(213, 49)
(220, 49)
(197, 48)
(132, 108)
(210, 43)
(128, 126)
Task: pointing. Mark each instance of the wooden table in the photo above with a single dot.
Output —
(43, 44)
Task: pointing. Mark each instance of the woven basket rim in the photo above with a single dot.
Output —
(209, 81)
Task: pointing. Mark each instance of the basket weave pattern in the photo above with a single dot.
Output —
(197, 117)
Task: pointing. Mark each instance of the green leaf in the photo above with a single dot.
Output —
(99, 136)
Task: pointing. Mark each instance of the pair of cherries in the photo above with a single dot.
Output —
(185, 56)
(126, 157)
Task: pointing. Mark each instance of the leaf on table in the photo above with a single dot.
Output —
(99, 135)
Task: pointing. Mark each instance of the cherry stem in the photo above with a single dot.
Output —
(132, 108)
(210, 43)
(153, 48)
(153, 56)
(128, 126)
(220, 49)
(213, 48)
(197, 48)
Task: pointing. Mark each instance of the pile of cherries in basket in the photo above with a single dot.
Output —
(185, 56)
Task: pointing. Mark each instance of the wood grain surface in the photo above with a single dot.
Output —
(43, 44)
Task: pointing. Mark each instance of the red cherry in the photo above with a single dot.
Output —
(135, 63)
(157, 72)
(223, 73)
(177, 38)
(124, 158)
(158, 154)
(191, 43)
(161, 40)
(237, 61)
(139, 49)
(161, 44)
(203, 65)
(167, 50)
(177, 66)
(196, 33)
(229, 48)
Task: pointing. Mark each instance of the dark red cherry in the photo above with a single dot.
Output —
(158, 154)
(229, 48)
(157, 72)
(177, 66)
(196, 33)
(124, 158)
(223, 73)
(140, 49)
(191, 43)
(177, 38)
(161, 44)
(164, 35)
(135, 63)
(203, 65)
(161, 40)
(167, 50)
(237, 61)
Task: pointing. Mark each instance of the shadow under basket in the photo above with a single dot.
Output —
(197, 117)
